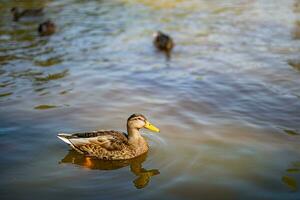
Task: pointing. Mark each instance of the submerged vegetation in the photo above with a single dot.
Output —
(44, 107)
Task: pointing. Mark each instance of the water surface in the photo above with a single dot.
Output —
(227, 102)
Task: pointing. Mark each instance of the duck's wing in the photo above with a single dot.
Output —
(92, 141)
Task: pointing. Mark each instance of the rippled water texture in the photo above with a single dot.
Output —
(227, 102)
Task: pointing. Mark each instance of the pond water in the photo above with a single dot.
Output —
(227, 101)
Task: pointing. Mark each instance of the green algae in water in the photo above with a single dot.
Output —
(291, 132)
(44, 107)
(25, 73)
(293, 170)
(54, 76)
(48, 63)
(290, 182)
(199, 78)
(3, 85)
(5, 94)
(44, 93)
(296, 164)
(40, 89)
(295, 64)
(63, 92)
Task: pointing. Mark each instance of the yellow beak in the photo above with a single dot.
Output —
(151, 127)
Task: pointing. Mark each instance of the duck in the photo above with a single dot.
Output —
(110, 144)
(17, 13)
(46, 28)
(163, 42)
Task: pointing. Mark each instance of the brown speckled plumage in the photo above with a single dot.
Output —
(163, 42)
(111, 145)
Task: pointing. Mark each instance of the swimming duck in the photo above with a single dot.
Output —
(46, 28)
(17, 13)
(112, 145)
(163, 42)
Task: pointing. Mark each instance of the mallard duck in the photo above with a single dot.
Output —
(112, 145)
(46, 28)
(163, 42)
(17, 13)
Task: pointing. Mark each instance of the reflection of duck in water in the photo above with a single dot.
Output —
(112, 145)
(46, 28)
(163, 42)
(141, 181)
(17, 13)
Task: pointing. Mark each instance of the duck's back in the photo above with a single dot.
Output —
(108, 145)
(164, 42)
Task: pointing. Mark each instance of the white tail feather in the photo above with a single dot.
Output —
(62, 136)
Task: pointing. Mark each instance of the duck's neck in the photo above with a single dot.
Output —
(133, 134)
(136, 141)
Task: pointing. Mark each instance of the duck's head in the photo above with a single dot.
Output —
(47, 28)
(49, 24)
(14, 10)
(157, 34)
(138, 121)
(163, 42)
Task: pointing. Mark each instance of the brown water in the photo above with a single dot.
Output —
(227, 102)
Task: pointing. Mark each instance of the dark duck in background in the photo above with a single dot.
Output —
(46, 28)
(17, 13)
(163, 42)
